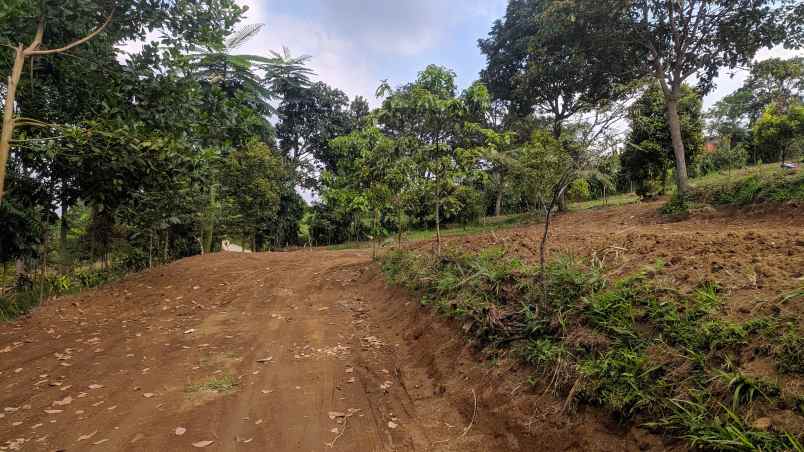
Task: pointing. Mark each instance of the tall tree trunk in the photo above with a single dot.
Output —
(209, 223)
(376, 235)
(438, 225)
(167, 241)
(45, 236)
(562, 203)
(399, 226)
(20, 54)
(498, 201)
(151, 250)
(19, 269)
(8, 115)
(64, 228)
(674, 121)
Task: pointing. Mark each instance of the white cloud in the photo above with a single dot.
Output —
(336, 61)
(348, 40)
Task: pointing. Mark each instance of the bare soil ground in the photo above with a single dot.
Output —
(311, 351)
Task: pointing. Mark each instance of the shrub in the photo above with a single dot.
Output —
(679, 204)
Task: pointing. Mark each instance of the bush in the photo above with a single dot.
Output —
(649, 189)
(678, 205)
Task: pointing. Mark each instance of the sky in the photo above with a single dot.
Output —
(354, 44)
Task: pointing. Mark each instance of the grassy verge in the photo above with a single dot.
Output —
(613, 201)
(21, 300)
(453, 230)
(755, 185)
(645, 352)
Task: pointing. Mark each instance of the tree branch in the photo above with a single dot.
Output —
(40, 31)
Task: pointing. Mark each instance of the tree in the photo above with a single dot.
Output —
(776, 81)
(429, 119)
(730, 116)
(309, 117)
(678, 40)
(74, 23)
(781, 130)
(649, 151)
(545, 60)
(547, 169)
(21, 54)
(253, 180)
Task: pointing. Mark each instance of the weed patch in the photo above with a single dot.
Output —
(226, 383)
(775, 187)
(646, 353)
(22, 300)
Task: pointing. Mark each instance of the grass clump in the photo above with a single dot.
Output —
(678, 205)
(646, 353)
(222, 384)
(789, 353)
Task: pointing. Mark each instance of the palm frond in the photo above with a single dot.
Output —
(241, 35)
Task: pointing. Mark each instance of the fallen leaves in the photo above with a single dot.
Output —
(336, 414)
(190, 331)
(202, 444)
(267, 359)
(87, 436)
(65, 401)
(180, 431)
(148, 395)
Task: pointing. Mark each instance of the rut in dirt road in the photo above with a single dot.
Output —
(274, 351)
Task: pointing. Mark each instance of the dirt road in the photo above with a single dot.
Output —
(262, 352)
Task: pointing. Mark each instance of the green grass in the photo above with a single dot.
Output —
(645, 352)
(613, 201)
(487, 224)
(225, 383)
(723, 178)
(750, 185)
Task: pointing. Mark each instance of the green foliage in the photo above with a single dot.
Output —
(21, 301)
(544, 166)
(692, 420)
(746, 389)
(549, 59)
(725, 158)
(679, 204)
(226, 383)
(648, 156)
(757, 188)
(579, 190)
(781, 130)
